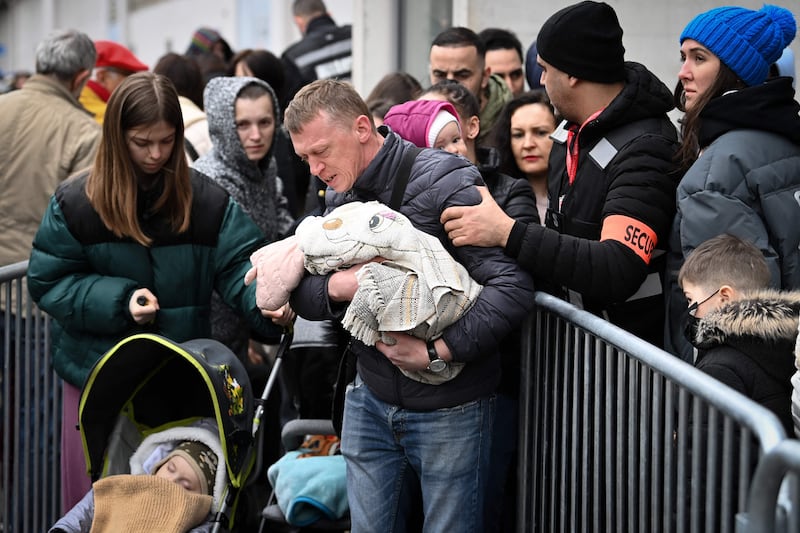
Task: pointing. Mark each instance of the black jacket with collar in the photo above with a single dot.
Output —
(325, 51)
(749, 345)
(625, 167)
(514, 195)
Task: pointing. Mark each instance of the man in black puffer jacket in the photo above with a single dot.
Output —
(396, 429)
(611, 180)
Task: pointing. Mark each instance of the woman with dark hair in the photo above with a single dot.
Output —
(263, 65)
(394, 88)
(136, 243)
(740, 145)
(522, 137)
(185, 75)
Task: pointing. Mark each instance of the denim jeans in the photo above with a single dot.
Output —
(387, 447)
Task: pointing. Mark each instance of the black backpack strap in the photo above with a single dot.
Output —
(191, 151)
(401, 178)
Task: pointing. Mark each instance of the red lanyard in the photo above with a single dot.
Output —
(572, 146)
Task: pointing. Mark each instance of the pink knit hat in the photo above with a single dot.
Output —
(421, 121)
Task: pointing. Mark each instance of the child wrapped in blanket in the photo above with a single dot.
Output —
(179, 494)
(416, 288)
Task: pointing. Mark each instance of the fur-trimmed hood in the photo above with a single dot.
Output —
(749, 344)
(768, 316)
(797, 348)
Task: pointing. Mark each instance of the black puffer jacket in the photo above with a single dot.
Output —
(437, 180)
(513, 195)
(635, 178)
(325, 51)
(749, 346)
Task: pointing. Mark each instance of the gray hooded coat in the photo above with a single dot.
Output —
(255, 186)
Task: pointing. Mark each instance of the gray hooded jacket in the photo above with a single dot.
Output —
(255, 186)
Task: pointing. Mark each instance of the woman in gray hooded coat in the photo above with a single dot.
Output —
(243, 116)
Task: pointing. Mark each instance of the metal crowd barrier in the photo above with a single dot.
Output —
(618, 435)
(30, 411)
(774, 493)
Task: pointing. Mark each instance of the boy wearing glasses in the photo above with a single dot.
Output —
(744, 332)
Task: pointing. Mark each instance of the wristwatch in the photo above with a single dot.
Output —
(437, 364)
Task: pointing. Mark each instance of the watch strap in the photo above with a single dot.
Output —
(432, 354)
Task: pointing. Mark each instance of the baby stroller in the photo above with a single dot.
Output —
(148, 383)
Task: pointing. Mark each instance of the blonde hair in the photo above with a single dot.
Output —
(336, 99)
(143, 99)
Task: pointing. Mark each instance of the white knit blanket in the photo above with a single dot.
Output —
(420, 289)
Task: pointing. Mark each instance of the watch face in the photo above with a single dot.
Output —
(437, 365)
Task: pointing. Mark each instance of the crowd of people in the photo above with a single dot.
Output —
(153, 188)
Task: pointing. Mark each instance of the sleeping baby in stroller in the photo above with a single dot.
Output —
(174, 486)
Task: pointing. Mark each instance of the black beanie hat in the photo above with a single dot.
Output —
(585, 41)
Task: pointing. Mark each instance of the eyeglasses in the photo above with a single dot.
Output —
(693, 308)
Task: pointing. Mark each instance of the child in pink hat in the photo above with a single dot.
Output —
(428, 124)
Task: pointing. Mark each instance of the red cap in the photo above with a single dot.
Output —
(114, 55)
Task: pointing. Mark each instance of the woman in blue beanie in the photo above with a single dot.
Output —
(740, 145)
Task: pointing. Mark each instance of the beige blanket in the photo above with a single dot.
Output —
(146, 503)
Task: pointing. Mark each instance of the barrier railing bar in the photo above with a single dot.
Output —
(717, 394)
(768, 478)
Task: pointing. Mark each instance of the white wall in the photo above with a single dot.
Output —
(168, 27)
(651, 27)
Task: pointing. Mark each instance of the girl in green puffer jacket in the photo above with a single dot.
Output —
(137, 243)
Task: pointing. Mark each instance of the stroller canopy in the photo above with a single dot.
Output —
(157, 383)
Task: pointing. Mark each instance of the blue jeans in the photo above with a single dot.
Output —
(386, 448)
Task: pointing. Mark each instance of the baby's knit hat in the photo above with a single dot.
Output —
(421, 121)
(584, 40)
(202, 460)
(442, 119)
(747, 41)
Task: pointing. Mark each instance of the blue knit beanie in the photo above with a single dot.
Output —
(747, 41)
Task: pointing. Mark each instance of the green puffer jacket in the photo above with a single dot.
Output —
(83, 275)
